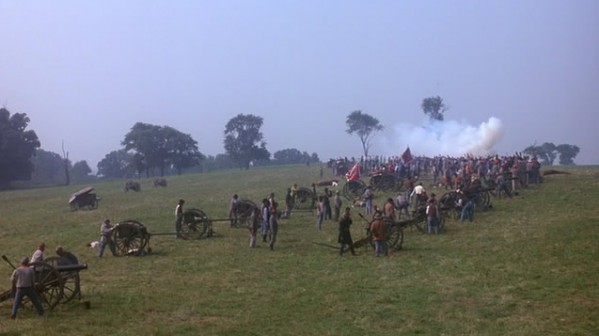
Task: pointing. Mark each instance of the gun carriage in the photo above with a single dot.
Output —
(55, 283)
(84, 199)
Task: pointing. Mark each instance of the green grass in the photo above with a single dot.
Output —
(526, 267)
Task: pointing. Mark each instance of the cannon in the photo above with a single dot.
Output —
(385, 182)
(132, 185)
(353, 189)
(84, 199)
(304, 198)
(243, 212)
(54, 283)
(395, 236)
(132, 238)
(160, 182)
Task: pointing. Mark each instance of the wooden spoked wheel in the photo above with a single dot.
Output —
(130, 237)
(48, 284)
(195, 225)
(70, 281)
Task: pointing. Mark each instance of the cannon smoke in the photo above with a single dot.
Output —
(448, 138)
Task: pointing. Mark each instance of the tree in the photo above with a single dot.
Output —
(243, 140)
(47, 168)
(80, 171)
(181, 149)
(291, 156)
(364, 125)
(161, 147)
(116, 164)
(434, 108)
(17, 146)
(549, 153)
(567, 153)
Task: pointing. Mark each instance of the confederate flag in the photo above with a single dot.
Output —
(354, 173)
(406, 156)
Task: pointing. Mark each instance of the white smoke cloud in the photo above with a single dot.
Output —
(447, 137)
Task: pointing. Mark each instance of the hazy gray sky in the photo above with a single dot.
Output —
(86, 71)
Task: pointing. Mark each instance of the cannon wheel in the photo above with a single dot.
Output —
(130, 237)
(394, 235)
(195, 224)
(353, 189)
(304, 198)
(421, 222)
(70, 280)
(48, 284)
(243, 212)
(447, 205)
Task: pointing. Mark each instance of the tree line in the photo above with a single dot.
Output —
(151, 150)
(148, 150)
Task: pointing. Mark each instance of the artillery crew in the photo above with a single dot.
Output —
(65, 257)
(23, 279)
(345, 234)
(38, 255)
(179, 217)
(106, 237)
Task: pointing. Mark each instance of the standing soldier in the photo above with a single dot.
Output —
(344, 232)
(253, 225)
(265, 225)
(378, 229)
(289, 202)
(338, 204)
(233, 210)
(432, 215)
(274, 224)
(23, 279)
(106, 237)
(179, 217)
(326, 202)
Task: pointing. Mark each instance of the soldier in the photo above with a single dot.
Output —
(378, 229)
(179, 217)
(38, 255)
(23, 279)
(106, 237)
(233, 210)
(65, 257)
(344, 232)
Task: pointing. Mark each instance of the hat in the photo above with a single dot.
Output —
(181, 201)
(25, 261)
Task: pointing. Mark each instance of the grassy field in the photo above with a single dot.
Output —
(528, 266)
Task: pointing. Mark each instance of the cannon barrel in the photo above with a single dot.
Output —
(70, 268)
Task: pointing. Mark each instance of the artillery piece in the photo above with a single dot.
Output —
(132, 238)
(54, 283)
(84, 199)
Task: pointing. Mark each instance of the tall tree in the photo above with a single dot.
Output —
(80, 171)
(48, 168)
(161, 147)
(434, 108)
(364, 125)
(549, 153)
(291, 156)
(244, 140)
(17, 146)
(116, 164)
(567, 153)
(181, 149)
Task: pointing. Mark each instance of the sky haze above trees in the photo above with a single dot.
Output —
(86, 72)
